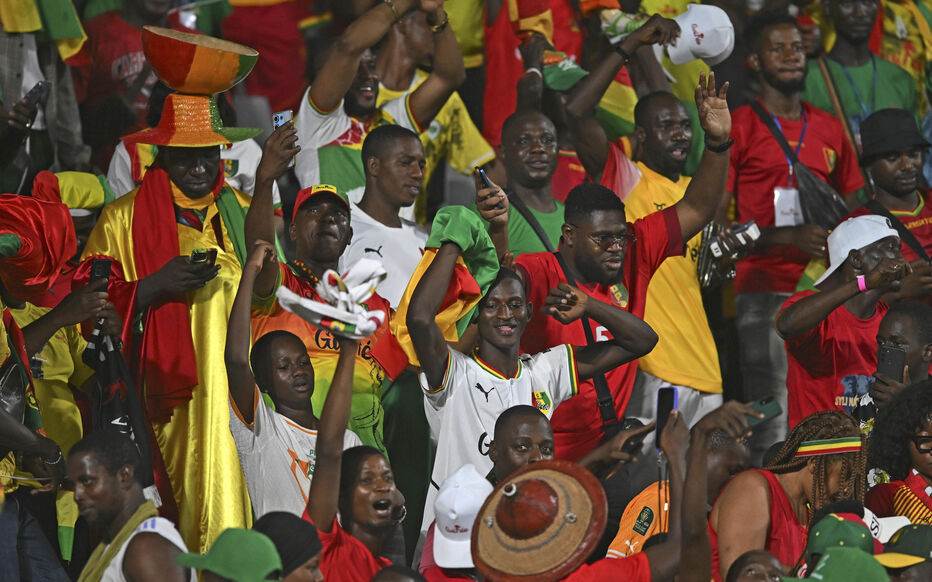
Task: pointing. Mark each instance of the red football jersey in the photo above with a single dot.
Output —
(918, 221)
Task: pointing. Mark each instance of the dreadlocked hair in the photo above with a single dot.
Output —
(896, 424)
(828, 424)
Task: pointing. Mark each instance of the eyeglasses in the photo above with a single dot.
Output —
(608, 240)
(923, 443)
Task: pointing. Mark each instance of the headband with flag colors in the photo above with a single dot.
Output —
(829, 447)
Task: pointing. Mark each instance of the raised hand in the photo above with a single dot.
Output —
(180, 276)
(657, 30)
(88, 302)
(713, 109)
(532, 51)
(811, 239)
(277, 153)
(888, 274)
(492, 203)
(262, 253)
(566, 303)
(731, 418)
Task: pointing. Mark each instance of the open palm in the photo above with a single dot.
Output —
(713, 108)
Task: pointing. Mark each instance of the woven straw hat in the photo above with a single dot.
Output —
(539, 524)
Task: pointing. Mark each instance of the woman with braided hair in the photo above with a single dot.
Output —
(901, 445)
(822, 460)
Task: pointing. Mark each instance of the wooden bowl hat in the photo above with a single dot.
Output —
(197, 67)
(539, 524)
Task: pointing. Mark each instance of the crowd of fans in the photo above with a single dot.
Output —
(533, 290)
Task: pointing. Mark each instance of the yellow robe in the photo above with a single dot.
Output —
(197, 446)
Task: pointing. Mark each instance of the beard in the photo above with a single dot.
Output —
(594, 272)
(786, 87)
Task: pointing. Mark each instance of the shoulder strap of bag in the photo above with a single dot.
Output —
(602, 393)
(905, 234)
(522, 208)
(777, 134)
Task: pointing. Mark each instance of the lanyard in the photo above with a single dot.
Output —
(857, 92)
(799, 145)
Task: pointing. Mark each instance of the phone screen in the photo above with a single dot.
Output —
(891, 362)
(666, 402)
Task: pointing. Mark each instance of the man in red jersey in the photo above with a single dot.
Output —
(613, 261)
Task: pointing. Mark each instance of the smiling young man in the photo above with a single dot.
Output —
(465, 393)
(136, 545)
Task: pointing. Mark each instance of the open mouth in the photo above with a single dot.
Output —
(506, 329)
(679, 153)
(367, 91)
(383, 506)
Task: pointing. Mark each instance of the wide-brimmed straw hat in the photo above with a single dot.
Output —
(539, 524)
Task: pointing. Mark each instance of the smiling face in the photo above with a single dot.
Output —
(291, 378)
(360, 100)
(193, 170)
(503, 314)
(321, 229)
(599, 245)
(525, 440)
(375, 496)
(782, 59)
(853, 19)
(399, 173)
(97, 492)
(666, 137)
(529, 150)
(898, 173)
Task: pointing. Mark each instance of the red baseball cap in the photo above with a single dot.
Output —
(307, 193)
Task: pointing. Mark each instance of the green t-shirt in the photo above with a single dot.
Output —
(894, 88)
(521, 236)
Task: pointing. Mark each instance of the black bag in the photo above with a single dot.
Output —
(819, 202)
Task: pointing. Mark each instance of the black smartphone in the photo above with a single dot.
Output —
(666, 402)
(208, 256)
(100, 270)
(632, 446)
(486, 183)
(769, 407)
(38, 94)
(891, 362)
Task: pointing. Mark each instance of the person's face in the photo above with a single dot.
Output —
(898, 173)
(853, 19)
(522, 442)
(503, 314)
(782, 59)
(667, 137)
(761, 567)
(307, 572)
(835, 480)
(292, 376)
(599, 245)
(529, 152)
(875, 253)
(362, 95)
(83, 225)
(193, 170)
(97, 492)
(419, 40)
(375, 495)
(922, 461)
(898, 331)
(400, 171)
(321, 229)
(919, 573)
(721, 465)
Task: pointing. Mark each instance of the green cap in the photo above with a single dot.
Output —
(833, 531)
(910, 545)
(846, 565)
(242, 555)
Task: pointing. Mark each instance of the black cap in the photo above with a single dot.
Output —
(887, 131)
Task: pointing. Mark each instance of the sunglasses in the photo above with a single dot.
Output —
(923, 443)
(608, 240)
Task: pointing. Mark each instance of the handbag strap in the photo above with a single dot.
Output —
(522, 209)
(777, 134)
(603, 394)
(905, 234)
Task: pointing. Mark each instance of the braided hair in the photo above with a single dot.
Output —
(827, 424)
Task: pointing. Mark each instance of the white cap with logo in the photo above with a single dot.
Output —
(854, 234)
(706, 33)
(458, 502)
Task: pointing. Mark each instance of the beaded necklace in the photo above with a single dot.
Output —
(305, 272)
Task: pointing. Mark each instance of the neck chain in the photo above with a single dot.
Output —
(305, 272)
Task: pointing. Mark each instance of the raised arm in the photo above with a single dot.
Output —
(277, 152)
(633, 338)
(493, 207)
(741, 518)
(240, 378)
(429, 345)
(325, 486)
(705, 191)
(449, 71)
(339, 69)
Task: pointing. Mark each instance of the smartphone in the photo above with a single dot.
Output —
(486, 183)
(666, 402)
(891, 362)
(746, 233)
(633, 444)
(100, 269)
(279, 119)
(769, 407)
(38, 94)
(208, 256)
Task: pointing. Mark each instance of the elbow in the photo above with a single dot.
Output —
(348, 44)
(646, 342)
(784, 328)
(417, 319)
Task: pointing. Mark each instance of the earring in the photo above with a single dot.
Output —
(404, 514)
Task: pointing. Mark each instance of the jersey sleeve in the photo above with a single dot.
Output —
(456, 368)
(351, 439)
(658, 237)
(638, 523)
(558, 365)
(399, 109)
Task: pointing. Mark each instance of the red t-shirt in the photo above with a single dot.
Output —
(634, 568)
(918, 222)
(345, 558)
(577, 423)
(826, 364)
(758, 165)
(879, 498)
(569, 174)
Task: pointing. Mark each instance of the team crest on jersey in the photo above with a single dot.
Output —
(644, 520)
(542, 402)
(831, 156)
(230, 167)
(620, 294)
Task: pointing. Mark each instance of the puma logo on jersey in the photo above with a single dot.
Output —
(484, 391)
(377, 251)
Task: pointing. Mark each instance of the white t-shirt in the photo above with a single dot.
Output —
(463, 411)
(159, 525)
(278, 457)
(331, 143)
(240, 162)
(399, 249)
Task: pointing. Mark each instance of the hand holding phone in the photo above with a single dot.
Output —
(100, 270)
(891, 362)
(279, 119)
(485, 183)
(208, 256)
(667, 398)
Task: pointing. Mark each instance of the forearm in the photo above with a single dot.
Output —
(629, 332)
(705, 191)
(260, 223)
(810, 311)
(371, 27)
(236, 351)
(530, 91)
(14, 435)
(38, 333)
(647, 75)
(588, 92)
(336, 412)
(448, 59)
(426, 336)
(695, 550)
(499, 236)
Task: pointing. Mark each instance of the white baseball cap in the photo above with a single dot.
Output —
(853, 234)
(460, 498)
(883, 528)
(706, 33)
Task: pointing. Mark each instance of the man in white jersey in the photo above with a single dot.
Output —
(277, 447)
(137, 545)
(465, 394)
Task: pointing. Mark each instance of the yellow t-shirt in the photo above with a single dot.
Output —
(467, 22)
(648, 514)
(904, 43)
(685, 354)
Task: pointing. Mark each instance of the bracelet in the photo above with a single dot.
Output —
(435, 28)
(56, 461)
(534, 70)
(862, 283)
(720, 148)
(624, 54)
(391, 4)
